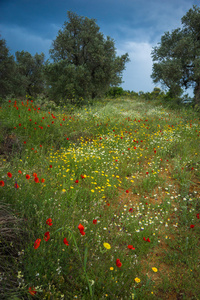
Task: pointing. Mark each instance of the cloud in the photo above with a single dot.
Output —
(18, 39)
(136, 77)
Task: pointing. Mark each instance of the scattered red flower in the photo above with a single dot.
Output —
(50, 166)
(118, 263)
(1, 183)
(94, 221)
(16, 185)
(28, 176)
(76, 181)
(148, 240)
(37, 243)
(130, 209)
(197, 215)
(49, 222)
(9, 174)
(65, 242)
(131, 247)
(81, 229)
(32, 290)
(36, 179)
(127, 191)
(46, 236)
(82, 176)
(42, 180)
(192, 226)
(144, 238)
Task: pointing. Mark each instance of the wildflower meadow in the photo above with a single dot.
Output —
(100, 201)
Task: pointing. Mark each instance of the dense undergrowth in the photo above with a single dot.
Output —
(103, 201)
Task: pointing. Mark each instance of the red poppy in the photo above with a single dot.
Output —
(197, 215)
(50, 166)
(192, 226)
(65, 242)
(81, 229)
(36, 179)
(82, 176)
(9, 174)
(94, 221)
(20, 124)
(42, 180)
(16, 185)
(28, 176)
(148, 240)
(46, 236)
(49, 222)
(34, 174)
(1, 183)
(127, 191)
(144, 238)
(131, 247)
(147, 173)
(130, 209)
(37, 243)
(76, 181)
(32, 290)
(118, 263)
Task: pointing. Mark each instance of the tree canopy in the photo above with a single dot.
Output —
(85, 63)
(30, 73)
(177, 58)
(7, 68)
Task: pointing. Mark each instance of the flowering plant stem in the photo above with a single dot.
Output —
(85, 260)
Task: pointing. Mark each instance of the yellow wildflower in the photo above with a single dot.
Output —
(106, 245)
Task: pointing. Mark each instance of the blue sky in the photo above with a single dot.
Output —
(135, 25)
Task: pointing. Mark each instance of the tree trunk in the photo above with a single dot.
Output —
(197, 93)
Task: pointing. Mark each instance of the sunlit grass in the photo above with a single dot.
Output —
(128, 172)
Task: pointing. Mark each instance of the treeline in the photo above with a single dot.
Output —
(83, 65)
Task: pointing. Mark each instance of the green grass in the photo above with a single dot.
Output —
(133, 166)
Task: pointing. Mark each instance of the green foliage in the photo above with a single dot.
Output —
(29, 69)
(83, 61)
(176, 59)
(115, 92)
(7, 69)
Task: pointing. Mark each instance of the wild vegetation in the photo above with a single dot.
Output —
(101, 201)
(100, 187)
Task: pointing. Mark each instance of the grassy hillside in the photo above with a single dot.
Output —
(99, 202)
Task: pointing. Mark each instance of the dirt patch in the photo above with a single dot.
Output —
(9, 145)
